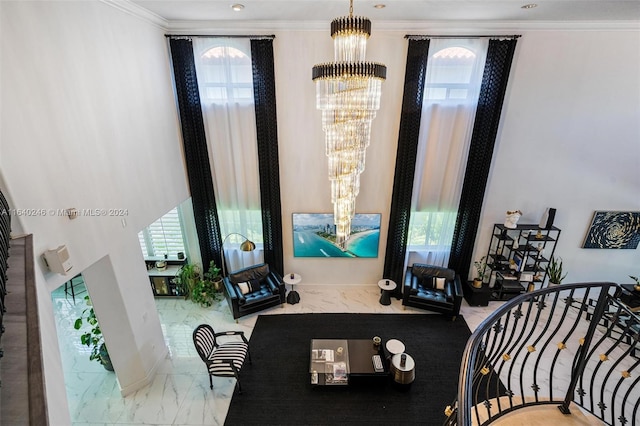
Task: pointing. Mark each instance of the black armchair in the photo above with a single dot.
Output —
(433, 288)
(253, 289)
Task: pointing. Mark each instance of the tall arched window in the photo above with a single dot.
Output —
(451, 72)
(225, 80)
(454, 75)
(226, 75)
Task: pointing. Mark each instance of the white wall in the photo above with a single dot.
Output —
(304, 178)
(570, 139)
(89, 121)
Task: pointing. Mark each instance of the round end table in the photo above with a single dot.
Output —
(394, 346)
(292, 279)
(386, 286)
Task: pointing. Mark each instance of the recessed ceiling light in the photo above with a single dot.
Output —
(237, 7)
(529, 6)
(379, 6)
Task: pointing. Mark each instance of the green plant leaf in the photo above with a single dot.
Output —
(85, 339)
(92, 338)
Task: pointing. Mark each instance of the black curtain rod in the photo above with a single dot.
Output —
(254, 36)
(422, 37)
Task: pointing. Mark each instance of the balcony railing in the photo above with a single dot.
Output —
(568, 343)
(22, 391)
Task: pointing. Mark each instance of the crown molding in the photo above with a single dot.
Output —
(133, 9)
(442, 27)
(242, 27)
(467, 27)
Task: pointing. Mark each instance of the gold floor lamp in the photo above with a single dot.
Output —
(247, 245)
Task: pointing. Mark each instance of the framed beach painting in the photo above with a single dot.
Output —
(314, 236)
(613, 230)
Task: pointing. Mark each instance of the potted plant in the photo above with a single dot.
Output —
(187, 278)
(93, 337)
(481, 267)
(207, 290)
(636, 286)
(213, 275)
(554, 271)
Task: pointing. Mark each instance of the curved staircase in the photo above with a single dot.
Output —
(566, 354)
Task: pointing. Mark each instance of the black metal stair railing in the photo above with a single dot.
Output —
(22, 388)
(562, 344)
(5, 231)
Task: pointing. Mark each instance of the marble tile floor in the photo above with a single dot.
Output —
(180, 394)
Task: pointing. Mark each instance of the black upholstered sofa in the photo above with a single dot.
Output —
(253, 289)
(422, 289)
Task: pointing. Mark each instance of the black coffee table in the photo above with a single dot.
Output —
(340, 362)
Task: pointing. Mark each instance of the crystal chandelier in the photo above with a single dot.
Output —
(348, 94)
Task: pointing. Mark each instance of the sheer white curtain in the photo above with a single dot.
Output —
(454, 75)
(223, 67)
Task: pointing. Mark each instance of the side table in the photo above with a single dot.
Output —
(393, 347)
(403, 370)
(292, 279)
(476, 296)
(387, 286)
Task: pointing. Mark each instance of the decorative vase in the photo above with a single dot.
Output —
(636, 287)
(477, 283)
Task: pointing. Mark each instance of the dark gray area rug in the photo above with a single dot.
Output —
(277, 390)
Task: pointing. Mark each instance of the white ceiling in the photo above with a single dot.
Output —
(507, 11)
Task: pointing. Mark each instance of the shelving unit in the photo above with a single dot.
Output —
(161, 281)
(519, 254)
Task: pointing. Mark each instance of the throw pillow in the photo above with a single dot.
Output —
(249, 286)
(428, 282)
(244, 287)
(254, 284)
(439, 283)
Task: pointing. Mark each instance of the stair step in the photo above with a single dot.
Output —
(542, 415)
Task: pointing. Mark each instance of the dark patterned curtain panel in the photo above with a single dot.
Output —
(492, 91)
(399, 216)
(195, 151)
(264, 90)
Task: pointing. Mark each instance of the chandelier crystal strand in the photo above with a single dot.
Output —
(348, 94)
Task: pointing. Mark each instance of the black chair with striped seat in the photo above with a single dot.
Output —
(222, 359)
